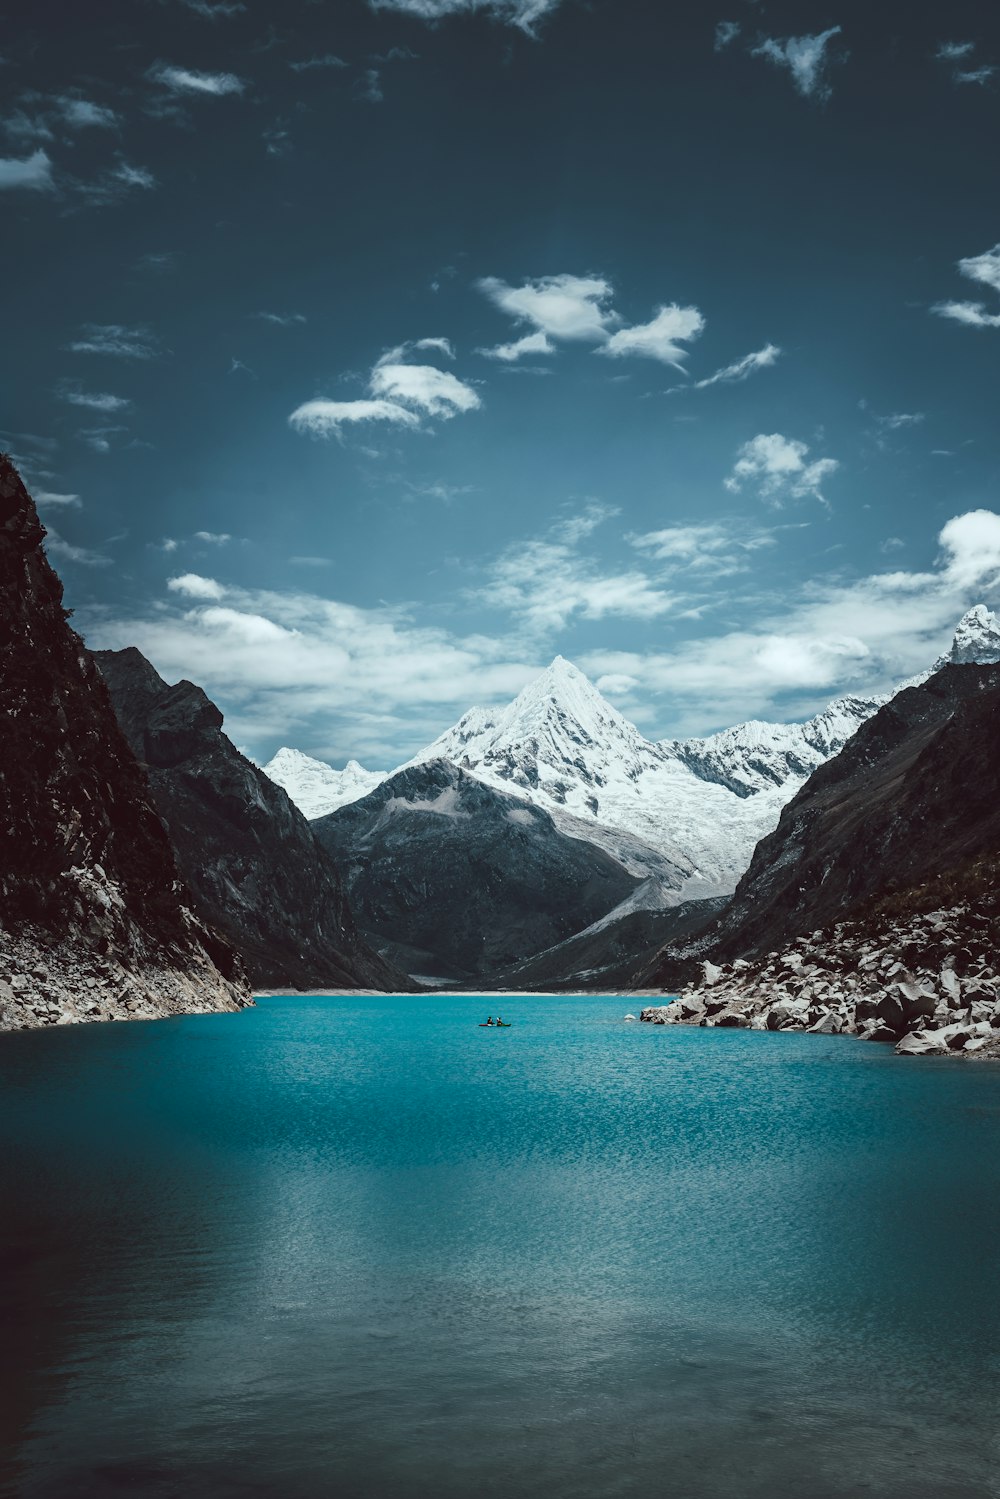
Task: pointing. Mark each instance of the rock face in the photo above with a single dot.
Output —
(456, 880)
(929, 982)
(95, 921)
(916, 792)
(256, 871)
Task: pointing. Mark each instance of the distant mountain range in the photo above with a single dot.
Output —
(687, 811)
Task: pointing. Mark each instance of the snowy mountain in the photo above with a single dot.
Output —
(687, 813)
(315, 787)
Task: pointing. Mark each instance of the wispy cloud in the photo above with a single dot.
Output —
(399, 392)
(45, 497)
(778, 468)
(661, 338)
(726, 32)
(548, 581)
(116, 183)
(827, 635)
(743, 368)
(532, 344)
(280, 319)
(189, 81)
(985, 269)
(215, 10)
(706, 551)
(522, 13)
(213, 538)
(67, 552)
(328, 60)
(805, 57)
(84, 114)
(369, 87)
(33, 172)
(117, 341)
(92, 400)
(954, 54)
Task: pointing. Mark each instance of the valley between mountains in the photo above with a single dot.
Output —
(834, 875)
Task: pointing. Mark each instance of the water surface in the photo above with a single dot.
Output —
(361, 1247)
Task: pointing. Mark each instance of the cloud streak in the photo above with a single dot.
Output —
(524, 14)
(984, 269)
(190, 81)
(402, 393)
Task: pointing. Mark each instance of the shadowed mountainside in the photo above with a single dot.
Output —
(250, 857)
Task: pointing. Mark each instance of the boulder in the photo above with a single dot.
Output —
(921, 1044)
(732, 1020)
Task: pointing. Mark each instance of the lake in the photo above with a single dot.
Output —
(361, 1247)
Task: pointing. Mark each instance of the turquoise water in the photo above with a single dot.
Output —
(360, 1247)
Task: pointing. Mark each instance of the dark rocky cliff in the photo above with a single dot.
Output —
(457, 880)
(256, 870)
(912, 799)
(91, 902)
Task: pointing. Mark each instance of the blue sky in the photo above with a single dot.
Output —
(364, 356)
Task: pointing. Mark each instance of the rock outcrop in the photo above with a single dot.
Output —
(95, 921)
(455, 880)
(256, 871)
(928, 982)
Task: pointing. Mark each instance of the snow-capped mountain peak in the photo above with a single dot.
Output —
(315, 787)
(976, 640)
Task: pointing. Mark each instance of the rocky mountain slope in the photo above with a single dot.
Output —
(249, 856)
(610, 952)
(95, 921)
(915, 793)
(454, 879)
(904, 822)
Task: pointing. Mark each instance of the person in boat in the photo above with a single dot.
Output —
(489, 1020)
(499, 1021)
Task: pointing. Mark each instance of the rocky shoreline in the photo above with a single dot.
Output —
(42, 985)
(928, 983)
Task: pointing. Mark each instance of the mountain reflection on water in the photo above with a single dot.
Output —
(360, 1246)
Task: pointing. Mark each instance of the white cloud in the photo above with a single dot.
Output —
(193, 586)
(804, 56)
(564, 306)
(83, 114)
(741, 370)
(985, 269)
(320, 417)
(829, 635)
(46, 497)
(67, 552)
(706, 551)
(188, 81)
(777, 468)
(522, 13)
(94, 400)
(374, 683)
(546, 582)
(33, 172)
(661, 338)
(213, 538)
(531, 343)
(954, 51)
(401, 393)
(422, 387)
(117, 341)
(726, 32)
